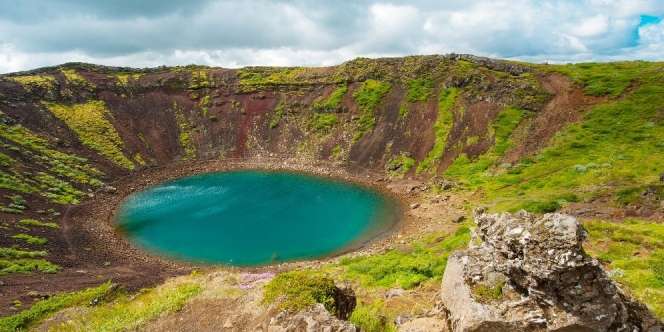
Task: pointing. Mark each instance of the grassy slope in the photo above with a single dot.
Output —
(618, 144)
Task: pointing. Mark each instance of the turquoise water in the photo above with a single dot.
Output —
(253, 217)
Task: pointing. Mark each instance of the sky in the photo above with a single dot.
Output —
(148, 33)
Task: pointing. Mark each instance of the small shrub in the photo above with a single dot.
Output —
(29, 239)
(487, 293)
(44, 308)
(37, 223)
(323, 122)
(369, 318)
(296, 290)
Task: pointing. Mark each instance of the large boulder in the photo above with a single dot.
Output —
(522, 272)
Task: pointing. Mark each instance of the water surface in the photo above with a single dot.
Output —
(254, 217)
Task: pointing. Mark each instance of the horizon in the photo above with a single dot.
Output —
(74, 63)
(235, 34)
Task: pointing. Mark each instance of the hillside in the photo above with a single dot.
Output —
(586, 139)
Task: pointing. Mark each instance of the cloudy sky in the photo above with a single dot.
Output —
(142, 33)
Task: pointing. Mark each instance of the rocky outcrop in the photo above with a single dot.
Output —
(313, 319)
(528, 273)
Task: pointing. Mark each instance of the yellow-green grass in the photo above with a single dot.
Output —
(44, 308)
(633, 252)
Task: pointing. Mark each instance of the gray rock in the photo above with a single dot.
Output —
(528, 273)
(424, 324)
(314, 319)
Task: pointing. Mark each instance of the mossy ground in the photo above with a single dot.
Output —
(90, 121)
(633, 252)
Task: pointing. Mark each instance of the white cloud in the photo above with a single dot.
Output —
(300, 32)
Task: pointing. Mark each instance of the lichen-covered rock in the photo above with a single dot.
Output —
(528, 273)
(313, 319)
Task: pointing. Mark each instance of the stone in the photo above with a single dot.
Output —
(314, 319)
(414, 206)
(545, 281)
(458, 219)
(394, 292)
(424, 324)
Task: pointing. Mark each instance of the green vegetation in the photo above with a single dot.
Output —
(90, 121)
(73, 77)
(40, 152)
(200, 79)
(474, 172)
(30, 82)
(30, 239)
(487, 293)
(254, 78)
(419, 89)
(279, 113)
(46, 307)
(22, 261)
(403, 110)
(131, 312)
(603, 148)
(406, 268)
(605, 79)
(332, 102)
(442, 127)
(634, 252)
(369, 318)
(185, 136)
(37, 223)
(368, 97)
(296, 290)
(125, 78)
(57, 190)
(400, 165)
(323, 122)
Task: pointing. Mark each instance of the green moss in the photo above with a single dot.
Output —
(5, 160)
(57, 190)
(124, 78)
(442, 127)
(323, 122)
(400, 165)
(370, 318)
(602, 79)
(406, 268)
(279, 113)
(91, 123)
(185, 135)
(37, 223)
(634, 253)
(22, 261)
(419, 90)
(485, 293)
(73, 77)
(200, 79)
(332, 102)
(44, 308)
(367, 97)
(30, 239)
(131, 312)
(475, 172)
(598, 155)
(336, 152)
(31, 82)
(296, 290)
(403, 110)
(38, 150)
